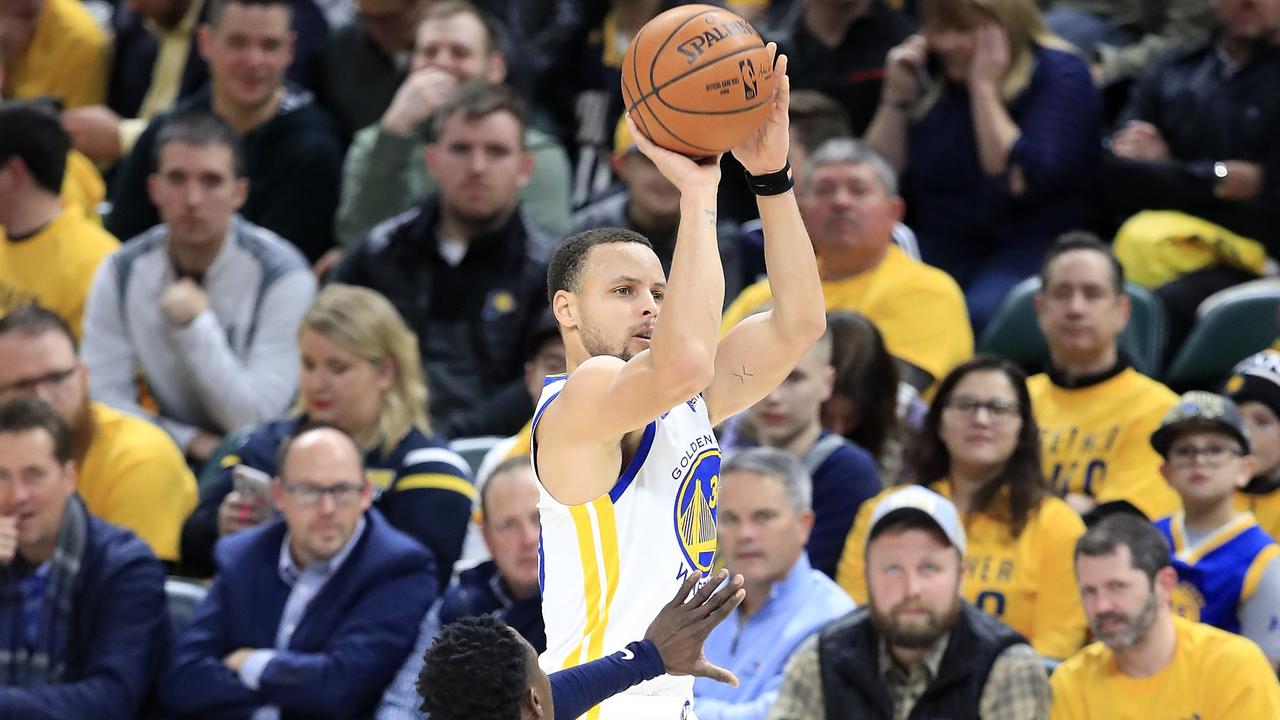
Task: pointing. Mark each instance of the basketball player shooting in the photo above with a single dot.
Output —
(623, 444)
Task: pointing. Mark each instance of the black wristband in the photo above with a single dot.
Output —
(774, 183)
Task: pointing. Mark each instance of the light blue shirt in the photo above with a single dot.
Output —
(306, 583)
(757, 649)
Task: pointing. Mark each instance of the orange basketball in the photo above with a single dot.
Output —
(697, 80)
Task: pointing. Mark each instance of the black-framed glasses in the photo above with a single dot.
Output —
(30, 385)
(344, 494)
(1214, 455)
(998, 408)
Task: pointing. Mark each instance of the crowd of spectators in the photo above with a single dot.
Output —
(274, 317)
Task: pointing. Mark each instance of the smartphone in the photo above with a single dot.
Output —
(252, 484)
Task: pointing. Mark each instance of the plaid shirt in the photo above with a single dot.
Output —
(1016, 689)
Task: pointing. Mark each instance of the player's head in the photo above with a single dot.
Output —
(914, 567)
(478, 155)
(981, 425)
(509, 512)
(321, 491)
(863, 406)
(813, 118)
(848, 197)
(792, 411)
(1082, 306)
(1125, 579)
(248, 45)
(460, 39)
(391, 24)
(198, 184)
(38, 359)
(652, 200)
(764, 515)
(480, 669)
(33, 154)
(606, 288)
(1205, 447)
(1254, 386)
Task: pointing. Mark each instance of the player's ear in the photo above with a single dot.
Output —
(565, 309)
(531, 706)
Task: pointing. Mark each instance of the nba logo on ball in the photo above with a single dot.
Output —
(748, 73)
(695, 510)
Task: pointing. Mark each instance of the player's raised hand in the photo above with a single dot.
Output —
(686, 174)
(682, 626)
(765, 151)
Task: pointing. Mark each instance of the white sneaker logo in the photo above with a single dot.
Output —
(627, 654)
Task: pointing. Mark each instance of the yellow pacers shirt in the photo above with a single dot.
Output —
(1265, 509)
(135, 477)
(1028, 582)
(1096, 440)
(918, 309)
(1215, 675)
(55, 266)
(67, 58)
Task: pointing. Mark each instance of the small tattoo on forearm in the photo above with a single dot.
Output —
(742, 376)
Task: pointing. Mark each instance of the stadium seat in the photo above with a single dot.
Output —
(1014, 334)
(1230, 326)
(184, 595)
(473, 450)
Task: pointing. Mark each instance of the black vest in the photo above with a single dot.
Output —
(854, 687)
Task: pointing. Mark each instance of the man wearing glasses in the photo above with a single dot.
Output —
(129, 472)
(312, 614)
(1228, 567)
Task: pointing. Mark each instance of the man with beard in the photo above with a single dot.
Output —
(848, 197)
(1149, 663)
(465, 269)
(129, 473)
(917, 649)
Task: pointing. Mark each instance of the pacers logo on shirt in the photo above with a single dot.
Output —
(1186, 601)
(695, 510)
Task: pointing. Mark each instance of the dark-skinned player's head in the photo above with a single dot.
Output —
(606, 287)
(481, 669)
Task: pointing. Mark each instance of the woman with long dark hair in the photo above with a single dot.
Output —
(980, 447)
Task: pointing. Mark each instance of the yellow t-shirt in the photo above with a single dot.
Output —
(135, 477)
(82, 185)
(1096, 440)
(1215, 675)
(1265, 509)
(66, 58)
(1028, 582)
(918, 309)
(54, 267)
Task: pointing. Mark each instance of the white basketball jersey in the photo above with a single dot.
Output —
(608, 566)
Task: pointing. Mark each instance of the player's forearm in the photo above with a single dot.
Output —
(799, 311)
(690, 328)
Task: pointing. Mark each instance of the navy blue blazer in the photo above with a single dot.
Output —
(346, 649)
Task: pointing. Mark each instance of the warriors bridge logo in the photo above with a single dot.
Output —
(695, 510)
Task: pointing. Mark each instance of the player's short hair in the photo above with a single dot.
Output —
(36, 320)
(816, 118)
(286, 446)
(853, 152)
(477, 669)
(519, 462)
(218, 7)
(200, 129)
(899, 522)
(23, 414)
(565, 270)
(494, 37)
(784, 467)
(868, 376)
(1148, 550)
(476, 99)
(1082, 240)
(30, 130)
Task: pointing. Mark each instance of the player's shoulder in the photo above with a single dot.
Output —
(1148, 388)
(1087, 666)
(1056, 520)
(1231, 655)
(1038, 384)
(918, 276)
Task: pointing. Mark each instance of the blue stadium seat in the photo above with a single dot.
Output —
(1014, 334)
(473, 449)
(184, 595)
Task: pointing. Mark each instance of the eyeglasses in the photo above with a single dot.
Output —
(1214, 455)
(308, 495)
(31, 385)
(969, 406)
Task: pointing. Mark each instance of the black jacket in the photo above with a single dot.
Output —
(853, 685)
(473, 320)
(293, 163)
(1206, 113)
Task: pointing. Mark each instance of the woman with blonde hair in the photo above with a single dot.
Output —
(993, 123)
(360, 373)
